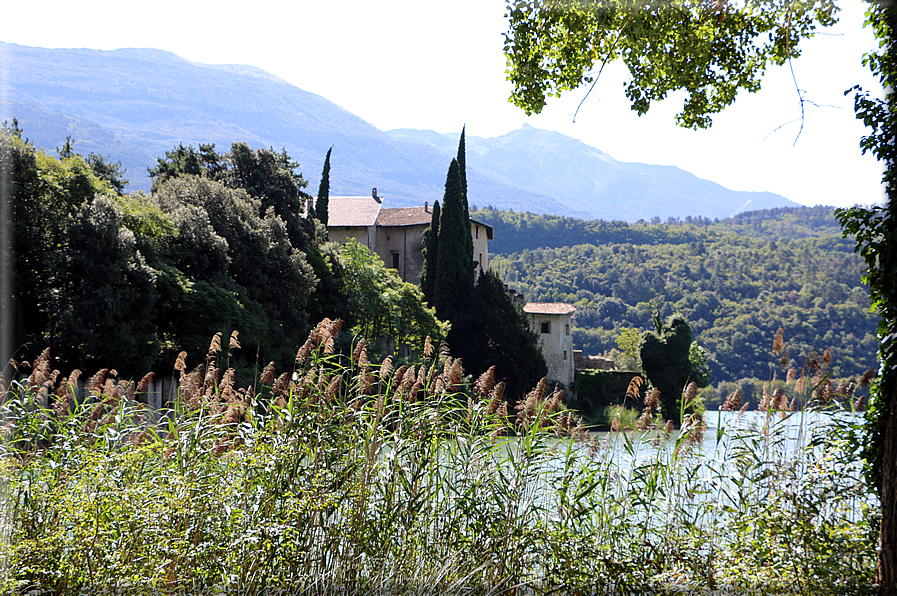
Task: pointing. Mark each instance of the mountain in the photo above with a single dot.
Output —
(132, 105)
(590, 180)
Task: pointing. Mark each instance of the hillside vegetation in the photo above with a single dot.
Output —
(736, 281)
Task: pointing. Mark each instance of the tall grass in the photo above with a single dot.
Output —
(342, 476)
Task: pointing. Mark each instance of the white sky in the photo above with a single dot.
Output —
(438, 65)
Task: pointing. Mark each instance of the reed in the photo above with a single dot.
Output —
(350, 477)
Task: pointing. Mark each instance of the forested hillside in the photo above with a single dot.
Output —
(736, 281)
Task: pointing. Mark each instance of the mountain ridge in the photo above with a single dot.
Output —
(133, 104)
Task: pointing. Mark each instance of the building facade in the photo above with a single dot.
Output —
(395, 235)
(552, 321)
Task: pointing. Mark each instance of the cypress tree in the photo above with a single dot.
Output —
(454, 270)
(497, 332)
(322, 204)
(462, 163)
(430, 255)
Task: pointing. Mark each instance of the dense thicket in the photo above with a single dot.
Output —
(736, 282)
(128, 281)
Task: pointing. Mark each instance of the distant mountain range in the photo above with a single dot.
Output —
(134, 104)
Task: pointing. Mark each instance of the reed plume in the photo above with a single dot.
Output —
(215, 345)
(691, 392)
(360, 353)
(634, 390)
(652, 400)
(485, 382)
(733, 401)
(866, 379)
(145, 381)
(496, 399)
(778, 343)
(455, 376)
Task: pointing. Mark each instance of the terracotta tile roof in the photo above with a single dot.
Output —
(352, 211)
(405, 216)
(548, 308)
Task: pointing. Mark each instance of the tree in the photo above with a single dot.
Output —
(182, 161)
(430, 255)
(462, 165)
(262, 264)
(270, 178)
(44, 192)
(453, 287)
(711, 50)
(665, 359)
(875, 230)
(110, 171)
(382, 307)
(103, 309)
(497, 332)
(322, 204)
(628, 341)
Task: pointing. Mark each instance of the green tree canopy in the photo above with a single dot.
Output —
(710, 50)
(430, 255)
(496, 331)
(385, 310)
(665, 358)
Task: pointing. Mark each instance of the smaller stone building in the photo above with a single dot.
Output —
(551, 321)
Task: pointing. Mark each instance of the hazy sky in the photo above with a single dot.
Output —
(438, 65)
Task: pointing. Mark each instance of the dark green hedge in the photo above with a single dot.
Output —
(595, 389)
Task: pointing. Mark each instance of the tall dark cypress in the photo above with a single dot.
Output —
(454, 269)
(322, 204)
(462, 163)
(430, 255)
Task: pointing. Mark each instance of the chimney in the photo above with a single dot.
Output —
(426, 206)
(374, 194)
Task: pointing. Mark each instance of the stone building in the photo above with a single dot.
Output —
(395, 235)
(551, 321)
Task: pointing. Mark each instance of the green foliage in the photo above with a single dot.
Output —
(382, 308)
(223, 239)
(453, 288)
(188, 161)
(597, 390)
(103, 311)
(110, 171)
(708, 50)
(496, 332)
(269, 177)
(731, 280)
(430, 254)
(45, 192)
(665, 359)
(628, 340)
(322, 203)
(516, 232)
(700, 364)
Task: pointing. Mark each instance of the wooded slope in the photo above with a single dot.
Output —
(737, 281)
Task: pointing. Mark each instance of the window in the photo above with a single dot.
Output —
(546, 326)
(477, 231)
(565, 354)
(395, 260)
(567, 329)
(481, 260)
